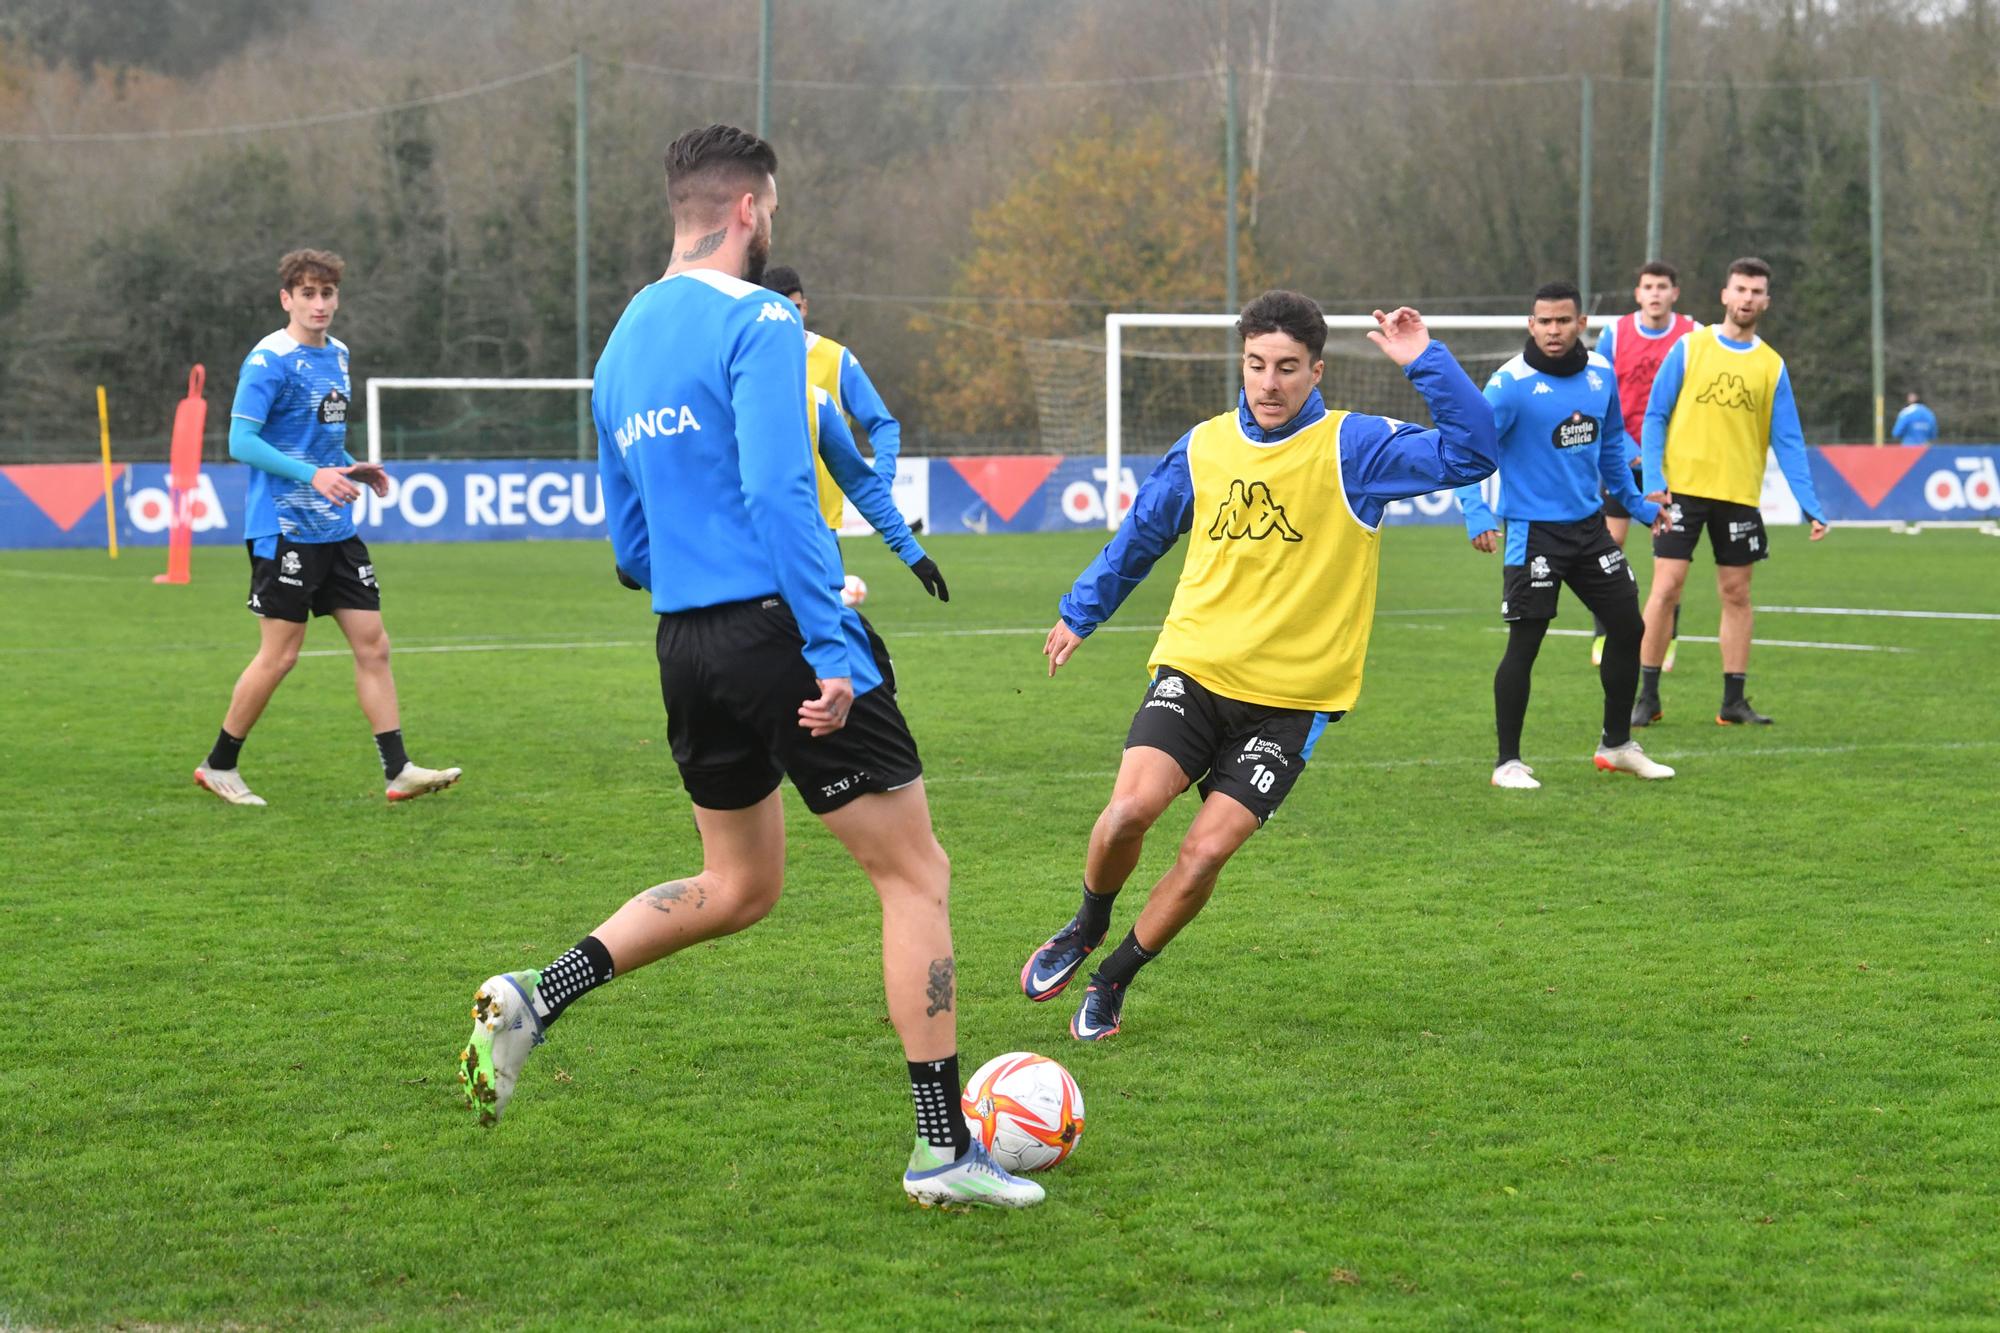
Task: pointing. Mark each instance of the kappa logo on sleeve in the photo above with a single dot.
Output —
(774, 311)
(1249, 511)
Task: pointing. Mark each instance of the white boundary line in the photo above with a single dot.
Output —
(1760, 643)
(1872, 611)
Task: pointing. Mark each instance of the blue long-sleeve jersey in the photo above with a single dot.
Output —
(1915, 424)
(706, 461)
(865, 405)
(1788, 438)
(1561, 437)
(860, 483)
(1381, 459)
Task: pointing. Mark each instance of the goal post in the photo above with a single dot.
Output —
(379, 383)
(1116, 325)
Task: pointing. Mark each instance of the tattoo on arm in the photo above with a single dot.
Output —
(939, 990)
(706, 246)
(679, 893)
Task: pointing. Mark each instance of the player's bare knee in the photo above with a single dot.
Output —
(1128, 817)
(1202, 856)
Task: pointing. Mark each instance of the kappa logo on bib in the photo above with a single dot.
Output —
(1249, 511)
(1728, 390)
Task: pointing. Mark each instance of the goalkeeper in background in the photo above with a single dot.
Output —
(289, 423)
(832, 369)
(1264, 644)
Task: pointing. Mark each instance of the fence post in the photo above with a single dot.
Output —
(1875, 334)
(583, 430)
(764, 71)
(1655, 201)
(1583, 201)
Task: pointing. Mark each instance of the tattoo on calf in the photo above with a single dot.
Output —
(680, 893)
(706, 246)
(939, 990)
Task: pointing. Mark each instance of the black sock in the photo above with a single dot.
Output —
(1125, 960)
(584, 968)
(1649, 682)
(940, 1119)
(227, 748)
(1510, 684)
(1095, 915)
(1732, 687)
(389, 744)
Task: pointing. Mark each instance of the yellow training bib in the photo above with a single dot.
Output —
(1277, 597)
(1721, 426)
(823, 357)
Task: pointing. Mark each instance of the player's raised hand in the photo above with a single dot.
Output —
(1401, 334)
(332, 482)
(370, 475)
(1062, 641)
(828, 713)
(1488, 541)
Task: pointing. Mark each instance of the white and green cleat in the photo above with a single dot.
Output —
(973, 1181)
(505, 1028)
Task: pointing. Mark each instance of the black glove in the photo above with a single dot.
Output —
(627, 579)
(927, 574)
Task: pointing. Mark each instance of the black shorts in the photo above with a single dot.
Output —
(1735, 532)
(733, 677)
(316, 577)
(1612, 509)
(1541, 557)
(1251, 753)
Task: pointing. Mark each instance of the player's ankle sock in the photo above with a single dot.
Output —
(584, 968)
(1732, 687)
(1095, 914)
(1649, 682)
(1126, 960)
(224, 755)
(389, 744)
(935, 1090)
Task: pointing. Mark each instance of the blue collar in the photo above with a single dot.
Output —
(1314, 410)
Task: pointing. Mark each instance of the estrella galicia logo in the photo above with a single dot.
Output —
(333, 408)
(1729, 390)
(1249, 511)
(1575, 431)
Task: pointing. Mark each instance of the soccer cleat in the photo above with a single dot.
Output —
(973, 1181)
(1629, 758)
(1597, 651)
(1515, 776)
(1741, 714)
(226, 783)
(1098, 1016)
(1667, 662)
(1050, 967)
(1646, 711)
(504, 1029)
(413, 782)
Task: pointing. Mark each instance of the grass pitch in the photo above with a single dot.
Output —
(1718, 1052)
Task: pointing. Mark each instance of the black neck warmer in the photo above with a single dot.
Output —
(1570, 364)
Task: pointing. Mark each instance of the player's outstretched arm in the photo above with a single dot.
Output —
(1788, 442)
(1161, 511)
(861, 483)
(1383, 459)
(885, 433)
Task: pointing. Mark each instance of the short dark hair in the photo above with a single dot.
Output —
(784, 281)
(1750, 267)
(1560, 290)
(1292, 313)
(323, 266)
(1658, 268)
(709, 167)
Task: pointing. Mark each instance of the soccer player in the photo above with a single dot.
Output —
(705, 457)
(1721, 403)
(289, 423)
(1562, 444)
(830, 367)
(1916, 423)
(1635, 346)
(1264, 644)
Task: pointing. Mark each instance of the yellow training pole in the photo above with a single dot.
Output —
(110, 509)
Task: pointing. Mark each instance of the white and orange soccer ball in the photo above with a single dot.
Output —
(854, 591)
(1025, 1109)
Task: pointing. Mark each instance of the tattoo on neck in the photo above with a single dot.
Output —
(939, 991)
(680, 893)
(706, 246)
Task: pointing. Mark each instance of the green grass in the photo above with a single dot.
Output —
(1712, 1053)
